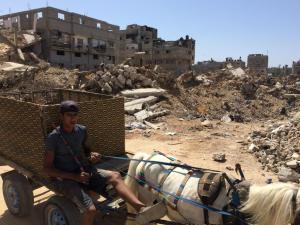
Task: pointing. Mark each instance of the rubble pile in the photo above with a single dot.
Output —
(232, 95)
(278, 148)
(113, 79)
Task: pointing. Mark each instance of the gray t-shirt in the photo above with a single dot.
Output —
(63, 158)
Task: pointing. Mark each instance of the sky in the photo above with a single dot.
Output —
(221, 28)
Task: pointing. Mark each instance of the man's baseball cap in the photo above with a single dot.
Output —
(68, 106)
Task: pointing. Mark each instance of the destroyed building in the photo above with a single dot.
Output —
(296, 68)
(143, 45)
(212, 65)
(258, 64)
(235, 62)
(68, 39)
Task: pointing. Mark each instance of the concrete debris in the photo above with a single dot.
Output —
(144, 114)
(219, 157)
(144, 92)
(15, 67)
(288, 175)
(238, 72)
(277, 145)
(138, 104)
(171, 133)
(136, 125)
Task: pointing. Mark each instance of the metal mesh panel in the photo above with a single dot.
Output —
(24, 125)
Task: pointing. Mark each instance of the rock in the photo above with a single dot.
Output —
(121, 79)
(253, 148)
(226, 119)
(147, 83)
(107, 88)
(292, 164)
(296, 156)
(106, 77)
(287, 174)
(129, 83)
(207, 124)
(219, 157)
(229, 168)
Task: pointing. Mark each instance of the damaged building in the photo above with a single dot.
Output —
(258, 64)
(72, 40)
(296, 68)
(69, 39)
(143, 45)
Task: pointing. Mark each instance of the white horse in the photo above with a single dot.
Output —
(272, 204)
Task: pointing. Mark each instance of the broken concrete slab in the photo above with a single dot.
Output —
(17, 67)
(144, 114)
(144, 92)
(20, 54)
(148, 100)
(138, 104)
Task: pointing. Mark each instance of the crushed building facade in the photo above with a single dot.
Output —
(258, 64)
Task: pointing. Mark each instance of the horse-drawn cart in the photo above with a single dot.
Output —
(25, 121)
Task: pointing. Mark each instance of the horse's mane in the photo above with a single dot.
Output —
(272, 204)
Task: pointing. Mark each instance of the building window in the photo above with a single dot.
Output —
(59, 52)
(96, 56)
(110, 30)
(61, 16)
(27, 16)
(80, 21)
(167, 51)
(61, 65)
(99, 25)
(79, 43)
(111, 44)
(77, 54)
(39, 15)
(109, 57)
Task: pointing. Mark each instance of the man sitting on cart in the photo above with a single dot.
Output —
(69, 163)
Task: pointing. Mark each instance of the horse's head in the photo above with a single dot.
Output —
(237, 198)
(276, 204)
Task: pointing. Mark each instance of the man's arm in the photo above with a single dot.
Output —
(51, 171)
(93, 157)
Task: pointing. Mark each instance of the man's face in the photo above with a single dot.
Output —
(69, 119)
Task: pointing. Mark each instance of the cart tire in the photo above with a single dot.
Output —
(61, 211)
(18, 194)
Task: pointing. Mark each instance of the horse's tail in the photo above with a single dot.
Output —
(271, 204)
(132, 172)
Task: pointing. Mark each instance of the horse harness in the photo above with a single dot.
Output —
(209, 185)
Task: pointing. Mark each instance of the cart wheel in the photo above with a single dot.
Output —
(18, 195)
(60, 211)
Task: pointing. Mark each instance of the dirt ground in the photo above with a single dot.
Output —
(188, 141)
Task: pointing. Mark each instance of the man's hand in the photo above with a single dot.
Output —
(83, 177)
(95, 157)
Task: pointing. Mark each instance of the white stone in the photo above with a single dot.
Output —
(296, 156)
(292, 164)
(253, 148)
(144, 92)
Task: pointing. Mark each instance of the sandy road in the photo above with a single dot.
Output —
(188, 145)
